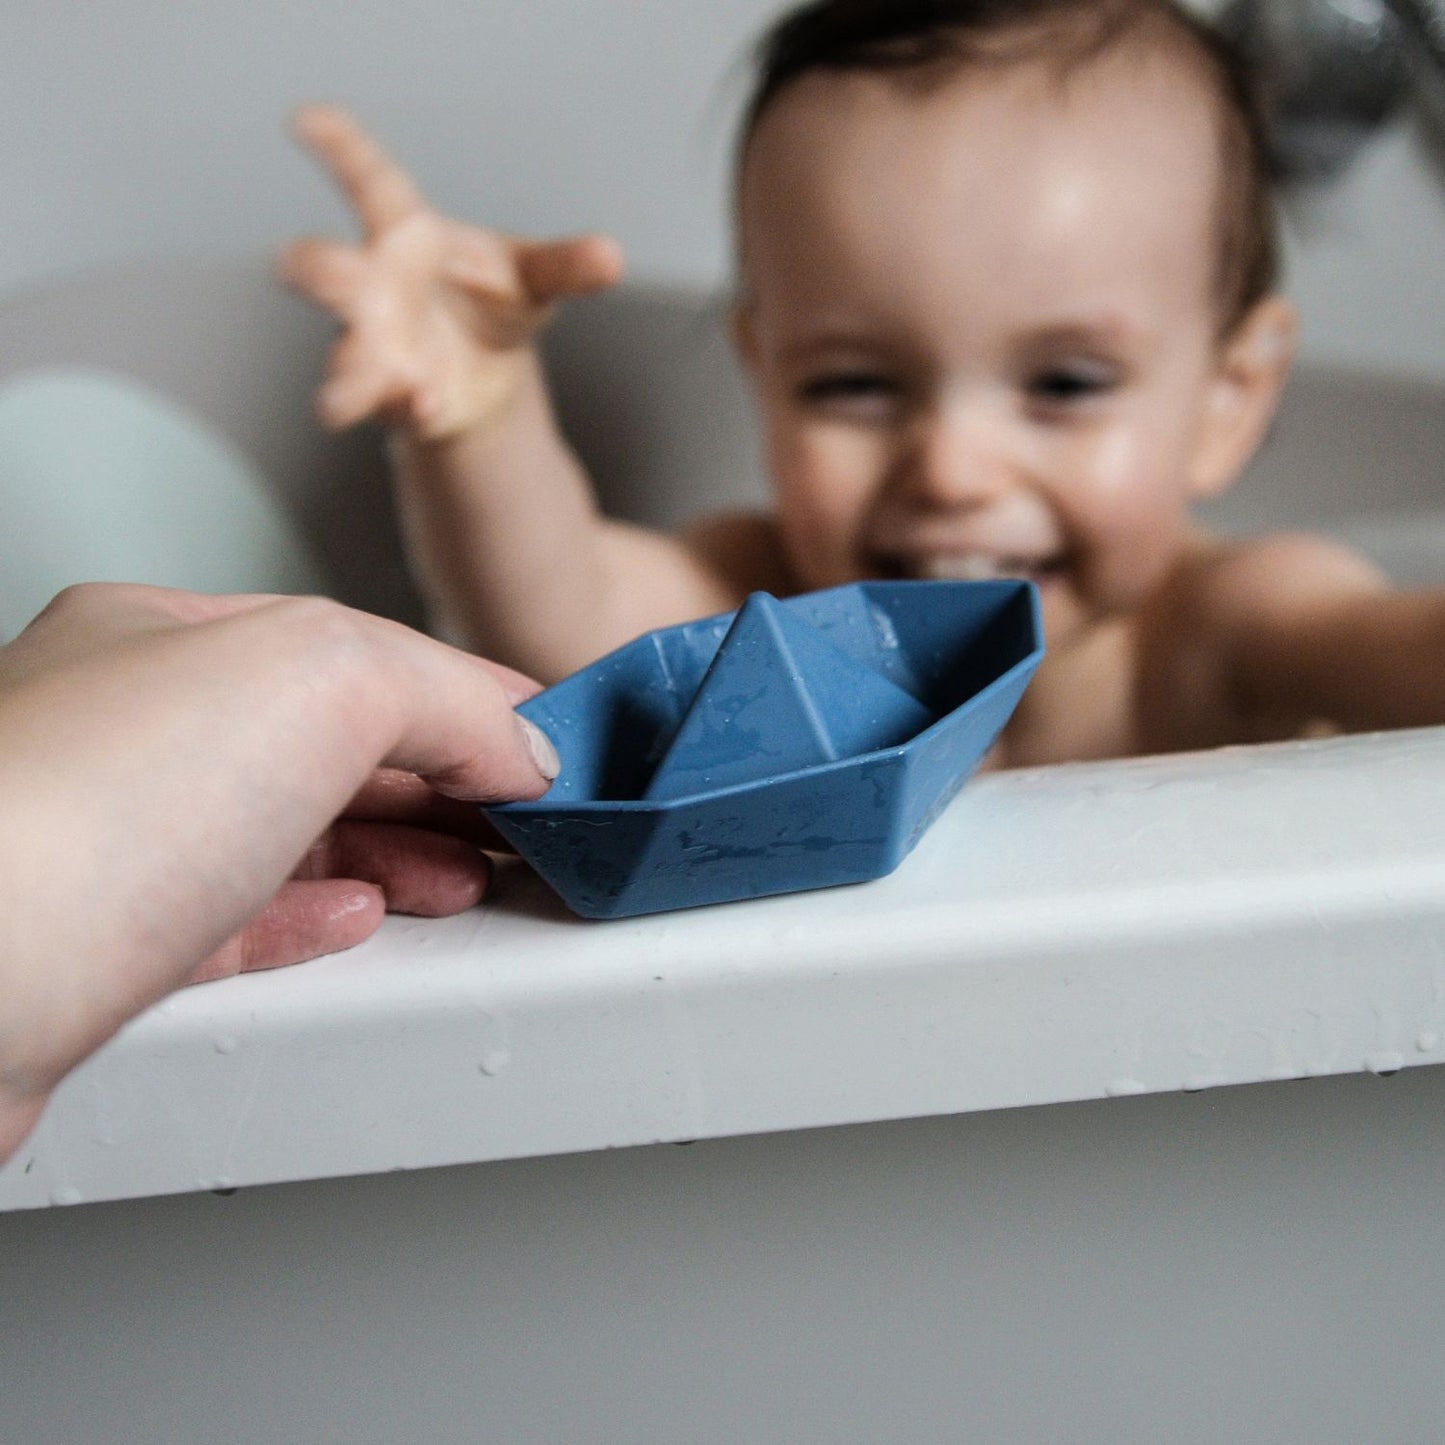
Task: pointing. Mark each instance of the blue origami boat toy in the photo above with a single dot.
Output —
(787, 745)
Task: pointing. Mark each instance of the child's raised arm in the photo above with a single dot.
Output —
(440, 323)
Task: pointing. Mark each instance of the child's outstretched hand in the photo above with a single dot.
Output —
(439, 317)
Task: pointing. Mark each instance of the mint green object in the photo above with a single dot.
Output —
(102, 479)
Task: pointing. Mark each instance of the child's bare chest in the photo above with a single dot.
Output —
(1080, 705)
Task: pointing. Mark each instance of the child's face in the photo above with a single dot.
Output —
(980, 319)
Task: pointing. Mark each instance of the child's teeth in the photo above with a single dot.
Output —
(971, 567)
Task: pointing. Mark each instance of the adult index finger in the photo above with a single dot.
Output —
(381, 694)
(393, 796)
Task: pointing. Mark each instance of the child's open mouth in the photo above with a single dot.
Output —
(973, 567)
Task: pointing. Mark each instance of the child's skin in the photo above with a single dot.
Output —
(980, 319)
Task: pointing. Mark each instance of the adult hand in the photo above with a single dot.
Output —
(439, 317)
(171, 766)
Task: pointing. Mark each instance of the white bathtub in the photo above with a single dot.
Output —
(1040, 1216)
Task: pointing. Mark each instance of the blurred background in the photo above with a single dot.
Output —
(142, 128)
(1182, 1260)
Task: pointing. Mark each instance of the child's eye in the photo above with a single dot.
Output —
(1063, 385)
(852, 392)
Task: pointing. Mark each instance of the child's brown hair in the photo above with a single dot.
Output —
(923, 39)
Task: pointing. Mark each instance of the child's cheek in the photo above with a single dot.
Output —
(825, 485)
(1131, 483)
(823, 468)
(1127, 506)
(1111, 469)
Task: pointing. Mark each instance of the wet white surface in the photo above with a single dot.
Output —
(1069, 933)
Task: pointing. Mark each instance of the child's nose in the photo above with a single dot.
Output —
(958, 456)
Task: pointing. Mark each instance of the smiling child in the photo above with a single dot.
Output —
(1006, 299)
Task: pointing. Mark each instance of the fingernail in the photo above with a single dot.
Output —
(540, 746)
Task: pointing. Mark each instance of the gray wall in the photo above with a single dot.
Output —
(142, 126)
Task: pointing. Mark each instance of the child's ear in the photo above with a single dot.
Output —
(1249, 377)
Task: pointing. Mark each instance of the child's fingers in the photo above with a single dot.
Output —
(344, 401)
(332, 275)
(427, 414)
(380, 192)
(480, 260)
(359, 383)
(551, 270)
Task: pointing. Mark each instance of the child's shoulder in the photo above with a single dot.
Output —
(1240, 594)
(745, 549)
(1224, 637)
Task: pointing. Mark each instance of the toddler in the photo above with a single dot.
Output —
(1006, 299)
